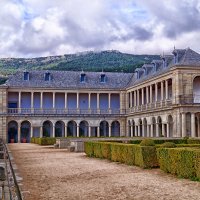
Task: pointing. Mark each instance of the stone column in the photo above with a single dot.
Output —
(193, 131)
(156, 92)
(54, 94)
(53, 130)
(131, 130)
(109, 131)
(41, 131)
(166, 90)
(183, 125)
(131, 100)
(135, 99)
(163, 129)
(32, 99)
(19, 102)
(98, 131)
(139, 134)
(41, 100)
(97, 101)
(157, 129)
(31, 131)
(162, 91)
(142, 96)
(151, 134)
(147, 95)
(151, 94)
(109, 101)
(65, 100)
(136, 133)
(65, 130)
(19, 133)
(148, 135)
(138, 97)
(89, 101)
(77, 100)
(89, 131)
(77, 131)
(168, 129)
(143, 127)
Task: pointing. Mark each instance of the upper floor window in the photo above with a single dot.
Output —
(26, 76)
(47, 76)
(103, 78)
(82, 78)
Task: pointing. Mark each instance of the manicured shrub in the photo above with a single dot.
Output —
(183, 162)
(106, 150)
(44, 141)
(147, 142)
(89, 148)
(188, 145)
(168, 145)
(193, 141)
(131, 154)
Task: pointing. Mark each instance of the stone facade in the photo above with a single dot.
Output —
(159, 99)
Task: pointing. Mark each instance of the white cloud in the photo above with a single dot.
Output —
(32, 28)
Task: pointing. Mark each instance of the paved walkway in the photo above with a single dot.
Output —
(55, 174)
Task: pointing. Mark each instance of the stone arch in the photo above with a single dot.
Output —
(59, 129)
(145, 127)
(159, 121)
(170, 124)
(72, 129)
(104, 129)
(196, 89)
(12, 132)
(83, 129)
(154, 127)
(115, 129)
(25, 131)
(47, 129)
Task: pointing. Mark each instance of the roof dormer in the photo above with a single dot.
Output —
(26, 76)
(82, 77)
(102, 78)
(47, 76)
(175, 53)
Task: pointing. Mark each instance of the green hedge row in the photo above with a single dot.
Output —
(183, 162)
(130, 154)
(176, 141)
(43, 141)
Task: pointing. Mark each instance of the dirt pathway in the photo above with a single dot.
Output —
(50, 174)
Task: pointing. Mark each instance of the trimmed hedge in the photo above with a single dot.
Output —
(44, 141)
(176, 141)
(143, 156)
(147, 142)
(183, 162)
(193, 141)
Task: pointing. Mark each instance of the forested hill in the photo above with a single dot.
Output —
(112, 61)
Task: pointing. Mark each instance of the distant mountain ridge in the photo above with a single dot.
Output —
(111, 60)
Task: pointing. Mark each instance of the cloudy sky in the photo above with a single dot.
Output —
(31, 28)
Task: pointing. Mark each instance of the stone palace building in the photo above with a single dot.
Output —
(158, 99)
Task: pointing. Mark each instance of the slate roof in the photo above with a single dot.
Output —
(70, 79)
(185, 57)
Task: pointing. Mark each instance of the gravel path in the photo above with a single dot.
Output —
(50, 174)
